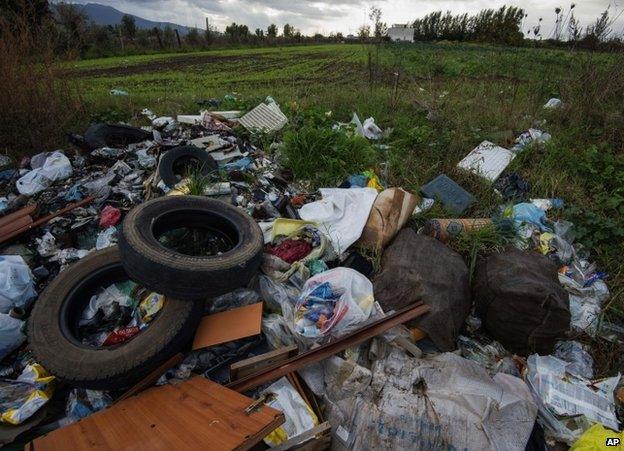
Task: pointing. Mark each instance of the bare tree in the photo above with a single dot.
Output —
(380, 29)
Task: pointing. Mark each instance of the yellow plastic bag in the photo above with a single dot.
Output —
(598, 438)
(24, 396)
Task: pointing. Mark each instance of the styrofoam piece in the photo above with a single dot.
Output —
(487, 160)
(266, 118)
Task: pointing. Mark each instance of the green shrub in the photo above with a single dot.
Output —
(324, 156)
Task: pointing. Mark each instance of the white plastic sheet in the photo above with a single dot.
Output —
(443, 402)
(11, 336)
(341, 214)
(299, 417)
(56, 167)
(16, 283)
(562, 393)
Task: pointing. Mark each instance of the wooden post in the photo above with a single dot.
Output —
(178, 37)
(157, 33)
(121, 40)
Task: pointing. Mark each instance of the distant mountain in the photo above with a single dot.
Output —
(107, 15)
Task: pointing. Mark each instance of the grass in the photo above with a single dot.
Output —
(448, 99)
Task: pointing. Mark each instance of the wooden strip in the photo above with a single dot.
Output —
(254, 364)
(45, 219)
(18, 223)
(229, 325)
(152, 377)
(196, 414)
(322, 430)
(27, 210)
(322, 352)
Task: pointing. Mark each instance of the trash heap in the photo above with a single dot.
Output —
(496, 362)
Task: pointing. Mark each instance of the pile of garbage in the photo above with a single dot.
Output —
(126, 249)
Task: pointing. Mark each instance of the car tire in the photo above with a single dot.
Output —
(183, 276)
(169, 160)
(53, 322)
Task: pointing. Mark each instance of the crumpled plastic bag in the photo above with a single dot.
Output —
(56, 167)
(529, 213)
(106, 238)
(82, 402)
(21, 398)
(110, 216)
(442, 402)
(333, 303)
(368, 129)
(17, 288)
(299, 416)
(11, 336)
(561, 395)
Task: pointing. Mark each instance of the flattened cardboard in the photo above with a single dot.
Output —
(228, 326)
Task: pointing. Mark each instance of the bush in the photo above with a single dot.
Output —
(37, 103)
(324, 156)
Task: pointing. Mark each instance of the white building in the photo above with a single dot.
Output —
(401, 33)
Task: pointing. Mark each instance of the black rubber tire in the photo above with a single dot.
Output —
(184, 276)
(112, 367)
(207, 164)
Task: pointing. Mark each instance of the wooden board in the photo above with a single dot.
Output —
(254, 364)
(228, 326)
(196, 414)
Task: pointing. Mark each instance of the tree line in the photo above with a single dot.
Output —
(71, 32)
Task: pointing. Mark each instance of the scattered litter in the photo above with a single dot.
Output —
(447, 229)
(264, 118)
(55, 167)
(520, 300)
(22, 397)
(17, 288)
(110, 216)
(453, 197)
(487, 160)
(299, 416)
(418, 268)
(118, 92)
(11, 336)
(228, 326)
(368, 129)
(333, 303)
(390, 212)
(341, 214)
(82, 402)
(553, 104)
(563, 394)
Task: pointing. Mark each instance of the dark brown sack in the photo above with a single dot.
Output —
(417, 267)
(520, 300)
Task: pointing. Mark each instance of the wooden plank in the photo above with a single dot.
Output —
(45, 219)
(17, 214)
(152, 377)
(196, 414)
(16, 224)
(228, 326)
(322, 352)
(254, 364)
(319, 432)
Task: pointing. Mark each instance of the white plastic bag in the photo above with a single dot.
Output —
(341, 214)
(11, 336)
(16, 283)
(368, 130)
(299, 416)
(56, 167)
(333, 303)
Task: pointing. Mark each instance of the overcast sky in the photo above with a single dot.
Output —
(311, 16)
